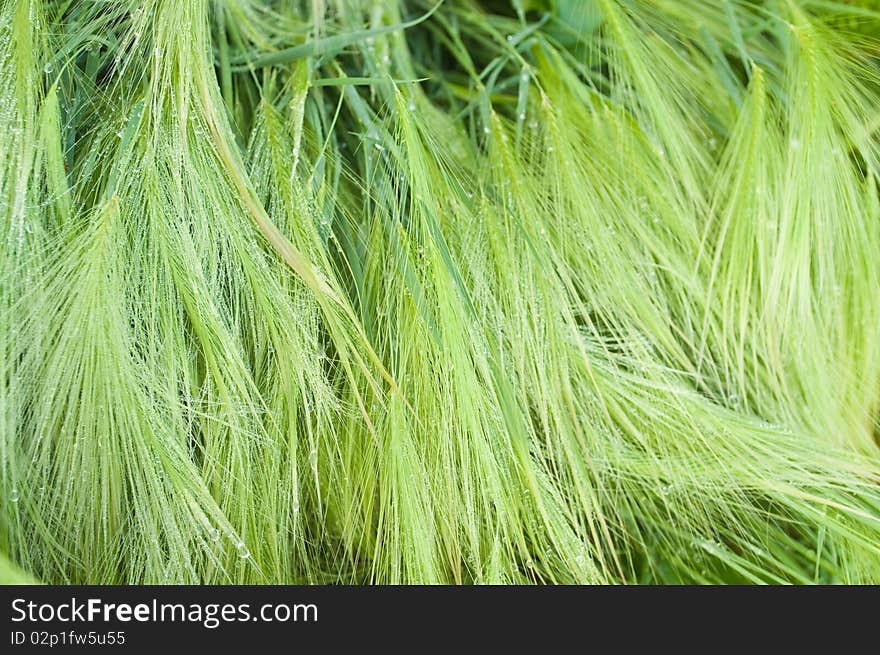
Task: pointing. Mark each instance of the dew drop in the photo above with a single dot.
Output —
(13, 495)
(243, 552)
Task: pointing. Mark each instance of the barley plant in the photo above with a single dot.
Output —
(439, 291)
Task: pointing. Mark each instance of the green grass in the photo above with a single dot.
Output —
(539, 291)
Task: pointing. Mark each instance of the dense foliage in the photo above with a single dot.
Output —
(502, 291)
